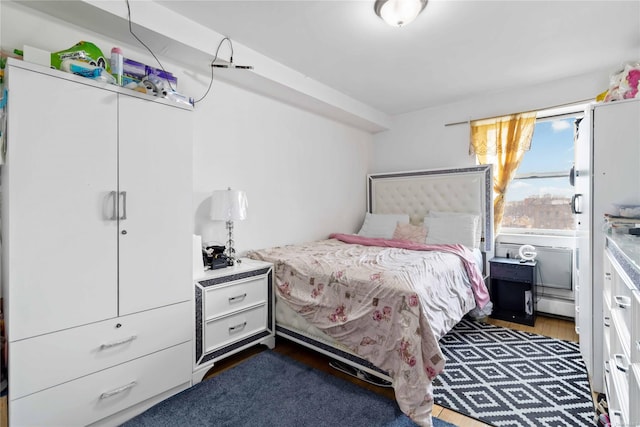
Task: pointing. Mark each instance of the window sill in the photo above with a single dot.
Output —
(537, 232)
(538, 238)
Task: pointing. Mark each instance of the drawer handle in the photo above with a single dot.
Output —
(607, 321)
(117, 343)
(618, 415)
(237, 298)
(118, 390)
(620, 359)
(622, 301)
(237, 327)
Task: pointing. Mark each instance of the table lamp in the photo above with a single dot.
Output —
(229, 205)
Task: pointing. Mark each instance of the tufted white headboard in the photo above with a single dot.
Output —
(416, 193)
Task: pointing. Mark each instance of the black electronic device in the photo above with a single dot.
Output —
(214, 257)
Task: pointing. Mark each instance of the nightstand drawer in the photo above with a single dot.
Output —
(224, 330)
(233, 296)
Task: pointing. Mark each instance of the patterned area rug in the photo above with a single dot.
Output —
(511, 378)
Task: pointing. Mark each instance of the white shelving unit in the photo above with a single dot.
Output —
(621, 326)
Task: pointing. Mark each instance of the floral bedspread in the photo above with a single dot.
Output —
(389, 305)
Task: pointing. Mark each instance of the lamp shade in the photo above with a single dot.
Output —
(398, 13)
(228, 205)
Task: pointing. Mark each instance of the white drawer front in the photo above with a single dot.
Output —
(91, 398)
(635, 327)
(223, 299)
(48, 360)
(223, 331)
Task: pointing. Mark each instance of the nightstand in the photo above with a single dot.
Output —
(234, 309)
(512, 285)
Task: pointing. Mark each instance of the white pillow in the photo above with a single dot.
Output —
(474, 217)
(381, 225)
(451, 228)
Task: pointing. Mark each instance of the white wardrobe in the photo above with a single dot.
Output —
(607, 171)
(96, 249)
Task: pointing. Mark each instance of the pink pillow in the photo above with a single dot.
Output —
(410, 232)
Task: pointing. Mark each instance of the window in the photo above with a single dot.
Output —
(538, 199)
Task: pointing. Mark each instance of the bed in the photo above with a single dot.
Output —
(362, 299)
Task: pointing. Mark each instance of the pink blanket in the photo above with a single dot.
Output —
(480, 291)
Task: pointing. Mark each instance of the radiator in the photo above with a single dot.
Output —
(554, 264)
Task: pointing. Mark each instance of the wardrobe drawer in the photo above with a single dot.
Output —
(234, 296)
(634, 327)
(619, 390)
(222, 331)
(91, 398)
(45, 361)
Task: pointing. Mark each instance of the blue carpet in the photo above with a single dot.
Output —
(270, 389)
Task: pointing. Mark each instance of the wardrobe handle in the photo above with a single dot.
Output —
(607, 321)
(118, 390)
(124, 204)
(114, 214)
(117, 343)
(574, 198)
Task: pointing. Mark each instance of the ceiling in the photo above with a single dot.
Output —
(454, 50)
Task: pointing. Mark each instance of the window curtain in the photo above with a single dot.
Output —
(502, 142)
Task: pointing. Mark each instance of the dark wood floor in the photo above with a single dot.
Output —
(549, 326)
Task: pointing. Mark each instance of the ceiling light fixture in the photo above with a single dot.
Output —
(399, 13)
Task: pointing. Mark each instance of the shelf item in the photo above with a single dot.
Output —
(234, 309)
(512, 285)
(97, 237)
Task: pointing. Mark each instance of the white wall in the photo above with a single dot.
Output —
(304, 174)
(420, 139)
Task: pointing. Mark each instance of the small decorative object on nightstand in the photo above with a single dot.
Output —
(512, 285)
(234, 309)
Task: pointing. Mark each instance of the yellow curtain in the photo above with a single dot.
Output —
(502, 142)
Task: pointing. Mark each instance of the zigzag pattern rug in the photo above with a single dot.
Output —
(511, 378)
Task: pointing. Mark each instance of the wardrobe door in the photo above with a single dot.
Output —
(59, 241)
(155, 192)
